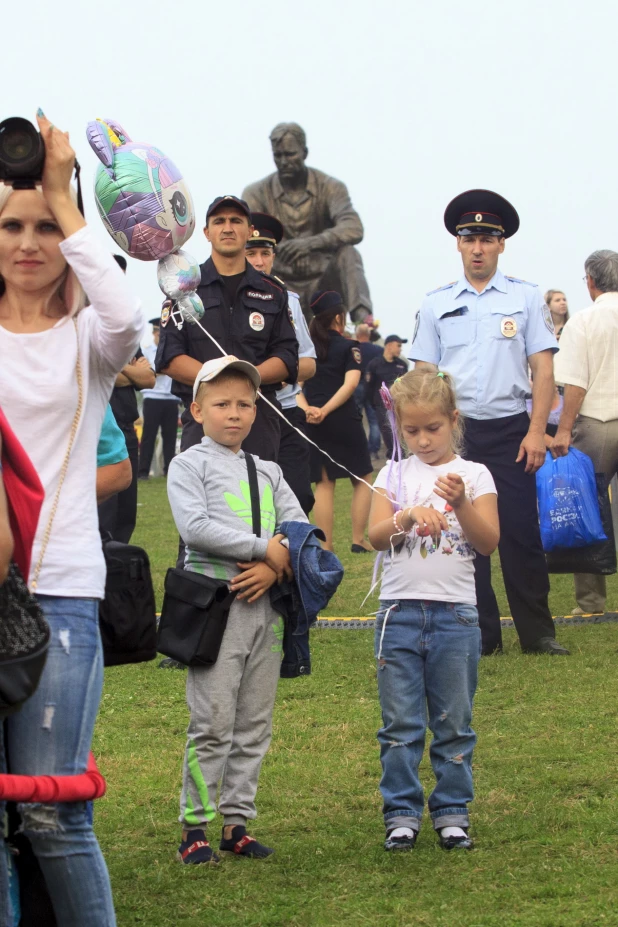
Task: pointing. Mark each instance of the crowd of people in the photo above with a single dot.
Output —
(465, 429)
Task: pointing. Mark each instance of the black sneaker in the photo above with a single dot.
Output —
(196, 850)
(169, 663)
(241, 844)
(547, 645)
(455, 843)
(400, 843)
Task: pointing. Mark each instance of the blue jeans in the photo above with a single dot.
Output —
(51, 735)
(362, 401)
(427, 655)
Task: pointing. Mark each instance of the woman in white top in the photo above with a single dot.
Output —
(431, 511)
(58, 361)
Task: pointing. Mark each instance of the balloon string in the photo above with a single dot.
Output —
(194, 321)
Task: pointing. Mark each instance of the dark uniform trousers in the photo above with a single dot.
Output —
(495, 443)
(118, 515)
(294, 458)
(385, 428)
(163, 414)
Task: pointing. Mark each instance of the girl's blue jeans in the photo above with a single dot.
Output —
(51, 735)
(427, 663)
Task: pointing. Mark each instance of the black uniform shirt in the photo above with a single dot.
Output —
(256, 327)
(343, 355)
(124, 403)
(368, 350)
(380, 371)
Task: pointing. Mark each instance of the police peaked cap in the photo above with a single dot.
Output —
(267, 231)
(325, 299)
(481, 212)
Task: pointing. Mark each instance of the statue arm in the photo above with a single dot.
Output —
(347, 228)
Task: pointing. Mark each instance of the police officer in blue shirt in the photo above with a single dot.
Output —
(485, 330)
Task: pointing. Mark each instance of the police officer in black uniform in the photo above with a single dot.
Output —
(385, 369)
(246, 312)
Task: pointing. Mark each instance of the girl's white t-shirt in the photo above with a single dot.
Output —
(420, 570)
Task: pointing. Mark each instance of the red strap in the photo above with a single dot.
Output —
(194, 846)
(243, 843)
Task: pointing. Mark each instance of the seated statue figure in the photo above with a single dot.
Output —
(320, 225)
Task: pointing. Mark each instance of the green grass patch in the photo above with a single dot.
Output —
(544, 818)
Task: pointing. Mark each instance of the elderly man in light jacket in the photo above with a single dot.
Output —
(587, 364)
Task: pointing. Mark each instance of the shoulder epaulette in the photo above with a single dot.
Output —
(274, 282)
(519, 280)
(438, 289)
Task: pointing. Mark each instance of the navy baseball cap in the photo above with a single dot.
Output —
(228, 200)
(392, 338)
(325, 299)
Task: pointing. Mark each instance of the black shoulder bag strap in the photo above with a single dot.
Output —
(254, 492)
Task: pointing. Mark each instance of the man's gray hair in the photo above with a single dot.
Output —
(288, 128)
(602, 268)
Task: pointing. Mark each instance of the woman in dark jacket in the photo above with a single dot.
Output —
(334, 421)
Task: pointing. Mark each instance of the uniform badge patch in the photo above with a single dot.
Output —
(165, 316)
(416, 324)
(356, 354)
(549, 322)
(256, 321)
(255, 295)
(291, 318)
(508, 327)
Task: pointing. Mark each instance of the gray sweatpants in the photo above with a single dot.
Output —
(231, 705)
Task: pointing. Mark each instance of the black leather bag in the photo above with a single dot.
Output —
(127, 614)
(24, 641)
(196, 608)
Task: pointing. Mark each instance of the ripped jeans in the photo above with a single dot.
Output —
(427, 656)
(52, 735)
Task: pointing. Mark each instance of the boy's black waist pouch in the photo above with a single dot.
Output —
(193, 617)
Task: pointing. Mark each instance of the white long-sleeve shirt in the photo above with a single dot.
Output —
(38, 394)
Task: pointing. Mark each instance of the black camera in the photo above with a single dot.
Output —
(22, 153)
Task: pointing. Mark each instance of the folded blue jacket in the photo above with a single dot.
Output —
(317, 574)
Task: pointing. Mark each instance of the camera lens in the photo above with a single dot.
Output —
(21, 149)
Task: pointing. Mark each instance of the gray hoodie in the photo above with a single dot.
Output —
(208, 490)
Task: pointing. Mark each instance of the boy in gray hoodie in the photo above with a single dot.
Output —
(231, 703)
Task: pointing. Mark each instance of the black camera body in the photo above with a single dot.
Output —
(22, 153)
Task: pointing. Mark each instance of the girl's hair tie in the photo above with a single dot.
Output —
(440, 374)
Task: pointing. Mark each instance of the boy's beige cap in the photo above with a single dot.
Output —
(213, 368)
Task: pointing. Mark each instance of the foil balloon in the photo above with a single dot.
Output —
(145, 205)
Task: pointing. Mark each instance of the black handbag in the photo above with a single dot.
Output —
(196, 607)
(599, 559)
(127, 614)
(24, 640)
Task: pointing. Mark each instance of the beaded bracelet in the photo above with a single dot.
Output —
(398, 527)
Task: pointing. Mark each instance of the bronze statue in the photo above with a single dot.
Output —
(320, 225)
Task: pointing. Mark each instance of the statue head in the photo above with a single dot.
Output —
(289, 145)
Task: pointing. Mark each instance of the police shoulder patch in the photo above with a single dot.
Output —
(255, 294)
(416, 325)
(439, 288)
(356, 354)
(549, 322)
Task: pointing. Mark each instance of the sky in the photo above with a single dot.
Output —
(408, 103)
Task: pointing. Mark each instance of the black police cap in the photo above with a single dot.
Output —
(228, 200)
(267, 231)
(156, 321)
(325, 299)
(481, 212)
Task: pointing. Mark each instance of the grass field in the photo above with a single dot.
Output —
(545, 819)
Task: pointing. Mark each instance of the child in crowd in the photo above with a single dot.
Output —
(231, 702)
(431, 511)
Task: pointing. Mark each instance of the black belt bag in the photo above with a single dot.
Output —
(196, 608)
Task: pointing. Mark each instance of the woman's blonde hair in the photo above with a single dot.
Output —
(69, 289)
(426, 388)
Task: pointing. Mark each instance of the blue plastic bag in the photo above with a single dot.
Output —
(568, 503)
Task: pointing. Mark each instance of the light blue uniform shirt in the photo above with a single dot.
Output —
(287, 395)
(484, 341)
